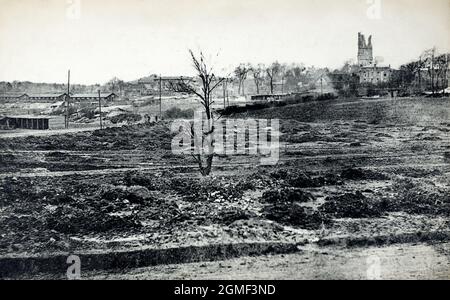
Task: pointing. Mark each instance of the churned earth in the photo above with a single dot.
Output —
(359, 168)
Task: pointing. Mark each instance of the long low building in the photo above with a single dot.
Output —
(25, 122)
(93, 97)
(266, 97)
(13, 96)
(57, 97)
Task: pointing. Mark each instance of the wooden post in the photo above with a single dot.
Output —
(100, 109)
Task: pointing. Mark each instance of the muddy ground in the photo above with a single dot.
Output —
(347, 168)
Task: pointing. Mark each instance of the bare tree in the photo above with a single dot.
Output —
(433, 62)
(295, 76)
(258, 75)
(115, 85)
(410, 72)
(241, 73)
(272, 72)
(442, 71)
(284, 72)
(203, 88)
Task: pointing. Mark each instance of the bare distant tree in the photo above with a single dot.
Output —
(272, 72)
(295, 76)
(241, 73)
(437, 68)
(258, 75)
(115, 84)
(427, 58)
(284, 72)
(442, 65)
(410, 72)
(203, 89)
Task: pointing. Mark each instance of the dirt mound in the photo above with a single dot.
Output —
(57, 154)
(125, 117)
(72, 220)
(284, 207)
(7, 158)
(134, 194)
(420, 197)
(111, 208)
(353, 205)
(230, 215)
(286, 195)
(136, 137)
(361, 174)
(302, 180)
(208, 189)
(447, 156)
(295, 215)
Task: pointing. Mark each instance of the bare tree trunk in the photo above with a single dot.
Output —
(209, 156)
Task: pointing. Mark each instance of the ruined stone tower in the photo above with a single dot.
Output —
(365, 51)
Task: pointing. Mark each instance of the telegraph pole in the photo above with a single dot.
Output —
(100, 109)
(67, 99)
(224, 94)
(160, 108)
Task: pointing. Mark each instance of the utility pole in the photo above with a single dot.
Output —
(224, 94)
(228, 98)
(100, 109)
(160, 106)
(67, 100)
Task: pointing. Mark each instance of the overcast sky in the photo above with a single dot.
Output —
(99, 39)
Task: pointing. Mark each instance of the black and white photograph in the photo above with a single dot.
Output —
(242, 141)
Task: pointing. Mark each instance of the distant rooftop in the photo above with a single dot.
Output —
(372, 66)
(92, 95)
(45, 95)
(26, 116)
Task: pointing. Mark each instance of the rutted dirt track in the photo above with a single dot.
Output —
(345, 169)
(395, 262)
(402, 261)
